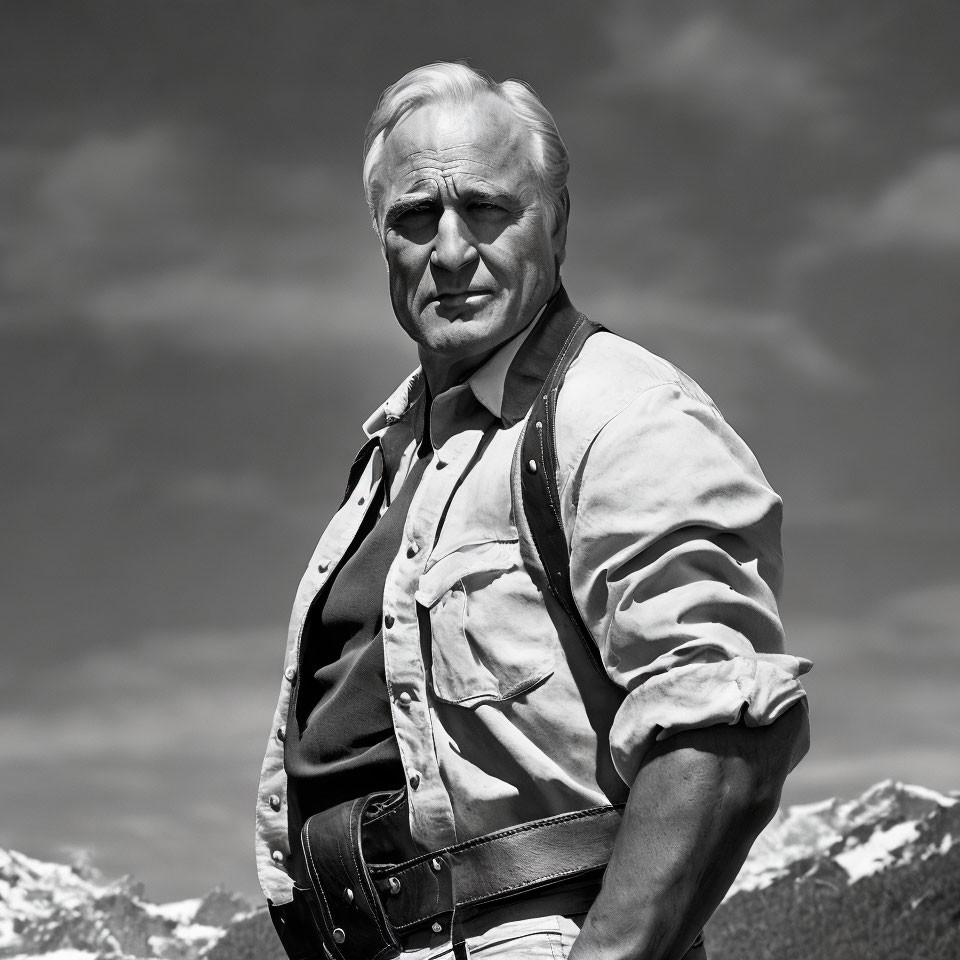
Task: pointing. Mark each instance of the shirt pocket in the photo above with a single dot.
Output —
(490, 636)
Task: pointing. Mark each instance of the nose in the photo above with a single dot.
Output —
(454, 246)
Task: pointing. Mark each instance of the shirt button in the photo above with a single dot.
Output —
(413, 549)
(361, 500)
(281, 734)
(290, 673)
(277, 856)
(323, 566)
(441, 464)
(388, 621)
(274, 802)
(404, 699)
(414, 781)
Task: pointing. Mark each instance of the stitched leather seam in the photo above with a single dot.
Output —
(368, 891)
(491, 837)
(317, 888)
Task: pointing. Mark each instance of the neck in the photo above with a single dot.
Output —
(441, 374)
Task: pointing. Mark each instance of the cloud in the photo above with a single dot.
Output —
(920, 207)
(149, 699)
(204, 306)
(716, 66)
(143, 755)
(882, 693)
(100, 205)
(917, 208)
(162, 230)
(739, 350)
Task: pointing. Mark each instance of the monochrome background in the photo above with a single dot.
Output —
(195, 322)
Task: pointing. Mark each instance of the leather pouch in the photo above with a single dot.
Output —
(347, 908)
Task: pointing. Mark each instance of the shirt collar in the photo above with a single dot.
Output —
(397, 405)
(505, 383)
(488, 382)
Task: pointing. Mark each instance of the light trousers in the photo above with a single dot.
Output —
(533, 938)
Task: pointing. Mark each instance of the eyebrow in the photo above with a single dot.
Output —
(400, 206)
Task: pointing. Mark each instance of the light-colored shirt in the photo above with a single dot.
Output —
(675, 565)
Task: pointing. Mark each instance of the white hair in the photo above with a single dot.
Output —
(457, 83)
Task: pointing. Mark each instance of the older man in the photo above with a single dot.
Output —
(538, 645)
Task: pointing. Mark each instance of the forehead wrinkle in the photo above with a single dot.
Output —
(456, 174)
(419, 159)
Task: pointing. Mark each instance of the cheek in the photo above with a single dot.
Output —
(524, 254)
(407, 266)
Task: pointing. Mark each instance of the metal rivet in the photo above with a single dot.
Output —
(531, 466)
(275, 801)
(348, 895)
(388, 621)
(436, 928)
(323, 566)
(290, 673)
(436, 864)
(277, 856)
(404, 699)
(281, 734)
(394, 884)
(338, 935)
(414, 780)
(539, 425)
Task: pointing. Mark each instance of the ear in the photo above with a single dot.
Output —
(559, 234)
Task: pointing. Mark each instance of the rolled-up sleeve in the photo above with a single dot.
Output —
(676, 566)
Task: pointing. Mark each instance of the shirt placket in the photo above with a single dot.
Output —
(273, 843)
(430, 807)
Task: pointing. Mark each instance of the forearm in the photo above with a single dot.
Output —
(694, 810)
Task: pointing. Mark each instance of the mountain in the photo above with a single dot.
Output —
(71, 913)
(876, 878)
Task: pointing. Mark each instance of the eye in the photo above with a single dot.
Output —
(412, 217)
(419, 210)
(485, 206)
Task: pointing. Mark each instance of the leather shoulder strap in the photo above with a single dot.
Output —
(539, 488)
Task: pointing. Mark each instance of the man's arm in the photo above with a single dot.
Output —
(698, 802)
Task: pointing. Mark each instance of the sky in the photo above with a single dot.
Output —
(194, 323)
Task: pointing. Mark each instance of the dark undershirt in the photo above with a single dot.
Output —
(346, 746)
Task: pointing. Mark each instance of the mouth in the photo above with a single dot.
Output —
(461, 297)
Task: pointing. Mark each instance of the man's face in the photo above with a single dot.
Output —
(467, 238)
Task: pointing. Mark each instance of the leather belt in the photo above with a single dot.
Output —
(363, 908)
(500, 865)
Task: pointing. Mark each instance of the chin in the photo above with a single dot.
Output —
(457, 341)
(462, 332)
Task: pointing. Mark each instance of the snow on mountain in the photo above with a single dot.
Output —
(63, 912)
(874, 831)
(66, 912)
